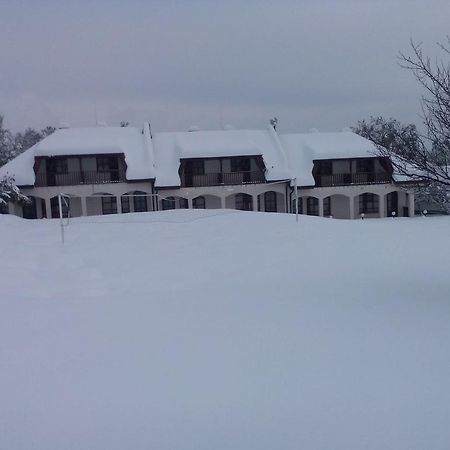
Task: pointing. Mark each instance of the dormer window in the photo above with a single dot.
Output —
(364, 165)
(240, 164)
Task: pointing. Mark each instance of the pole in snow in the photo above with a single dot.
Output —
(61, 217)
(296, 199)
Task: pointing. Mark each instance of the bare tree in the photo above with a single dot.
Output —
(433, 156)
(422, 156)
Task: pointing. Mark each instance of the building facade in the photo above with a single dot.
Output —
(113, 170)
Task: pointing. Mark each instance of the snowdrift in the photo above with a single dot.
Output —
(224, 330)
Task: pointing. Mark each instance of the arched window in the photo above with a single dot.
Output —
(168, 203)
(270, 201)
(109, 204)
(327, 206)
(140, 201)
(244, 202)
(29, 209)
(312, 206)
(368, 203)
(125, 201)
(199, 203)
(54, 204)
(300, 206)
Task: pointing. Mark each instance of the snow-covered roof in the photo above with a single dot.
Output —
(304, 148)
(134, 143)
(285, 156)
(171, 147)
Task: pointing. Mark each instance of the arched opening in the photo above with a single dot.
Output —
(368, 204)
(337, 206)
(101, 203)
(35, 208)
(392, 204)
(135, 201)
(271, 201)
(140, 201)
(173, 202)
(241, 201)
(299, 205)
(212, 202)
(54, 207)
(199, 202)
(312, 206)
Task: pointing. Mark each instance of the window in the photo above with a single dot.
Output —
(168, 203)
(312, 206)
(194, 167)
(364, 165)
(125, 201)
(29, 209)
(110, 165)
(240, 164)
(61, 166)
(199, 203)
(140, 201)
(327, 206)
(368, 203)
(270, 201)
(54, 205)
(109, 204)
(325, 168)
(107, 163)
(244, 202)
(300, 206)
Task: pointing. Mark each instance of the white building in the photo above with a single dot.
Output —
(107, 170)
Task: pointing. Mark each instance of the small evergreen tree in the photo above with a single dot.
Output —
(9, 192)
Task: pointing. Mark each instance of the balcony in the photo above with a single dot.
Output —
(345, 179)
(219, 179)
(76, 178)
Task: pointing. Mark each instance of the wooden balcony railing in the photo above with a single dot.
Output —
(75, 178)
(344, 179)
(217, 179)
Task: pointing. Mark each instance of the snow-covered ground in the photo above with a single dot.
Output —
(196, 330)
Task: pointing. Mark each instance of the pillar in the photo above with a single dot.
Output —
(222, 202)
(320, 200)
(119, 204)
(352, 207)
(381, 206)
(190, 203)
(83, 206)
(255, 202)
(411, 204)
(48, 208)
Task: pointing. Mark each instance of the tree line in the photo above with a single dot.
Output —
(13, 144)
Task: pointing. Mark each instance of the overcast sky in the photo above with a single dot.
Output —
(314, 64)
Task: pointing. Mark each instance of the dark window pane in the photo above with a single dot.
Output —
(109, 205)
(244, 202)
(199, 203)
(168, 203)
(140, 202)
(368, 203)
(327, 206)
(312, 206)
(125, 200)
(270, 201)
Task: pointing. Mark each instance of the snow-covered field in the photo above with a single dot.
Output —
(196, 330)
